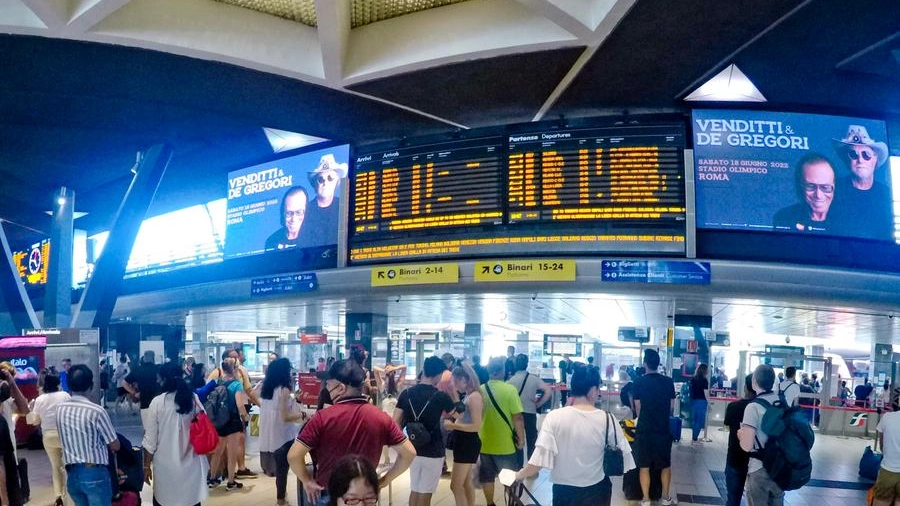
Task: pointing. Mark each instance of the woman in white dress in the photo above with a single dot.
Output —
(279, 415)
(178, 474)
(43, 412)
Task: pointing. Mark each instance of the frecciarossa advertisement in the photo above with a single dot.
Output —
(793, 173)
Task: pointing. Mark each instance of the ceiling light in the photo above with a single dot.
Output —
(283, 140)
(729, 85)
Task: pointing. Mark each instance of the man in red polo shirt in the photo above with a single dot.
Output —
(351, 425)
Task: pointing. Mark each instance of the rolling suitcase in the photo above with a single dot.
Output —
(631, 485)
(675, 428)
(869, 464)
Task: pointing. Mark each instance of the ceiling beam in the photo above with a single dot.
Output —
(49, 12)
(88, 13)
(600, 34)
(334, 35)
(562, 17)
(731, 56)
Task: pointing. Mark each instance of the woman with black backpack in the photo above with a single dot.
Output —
(232, 431)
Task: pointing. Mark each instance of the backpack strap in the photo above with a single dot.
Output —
(416, 416)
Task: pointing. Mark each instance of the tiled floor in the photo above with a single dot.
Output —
(695, 472)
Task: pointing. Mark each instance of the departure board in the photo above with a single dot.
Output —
(634, 173)
(532, 191)
(428, 187)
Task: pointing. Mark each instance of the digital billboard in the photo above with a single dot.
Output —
(793, 173)
(536, 189)
(289, 203)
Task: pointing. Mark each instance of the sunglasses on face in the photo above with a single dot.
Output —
(865, 155)
(827, 189)
(322, 179)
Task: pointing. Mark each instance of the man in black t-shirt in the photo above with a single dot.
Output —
(653, 401)
(425, 404)
(736, 459)
(142, 383)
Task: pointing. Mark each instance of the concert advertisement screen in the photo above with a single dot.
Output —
(793, 173)
(290, 203)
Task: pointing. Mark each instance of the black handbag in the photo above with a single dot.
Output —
(613, 460)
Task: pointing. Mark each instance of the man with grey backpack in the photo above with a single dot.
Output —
(419, 410)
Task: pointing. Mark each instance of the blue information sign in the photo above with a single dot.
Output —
(287, 283)
(656, 271)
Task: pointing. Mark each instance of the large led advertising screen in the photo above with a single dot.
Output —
(534, 190)
(290, 203)
(793, 173)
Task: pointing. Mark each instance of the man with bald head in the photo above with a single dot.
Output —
(816, 187)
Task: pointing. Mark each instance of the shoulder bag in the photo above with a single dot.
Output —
(515, 436)
(613, 460)
(203, 435)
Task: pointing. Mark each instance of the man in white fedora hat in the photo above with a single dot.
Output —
(861, 202)
(323, 211)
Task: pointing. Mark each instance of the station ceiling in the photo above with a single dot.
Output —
(86, 84)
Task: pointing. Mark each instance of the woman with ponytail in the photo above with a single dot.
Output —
(178, 474)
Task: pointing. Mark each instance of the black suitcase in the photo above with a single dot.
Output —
(631, 485)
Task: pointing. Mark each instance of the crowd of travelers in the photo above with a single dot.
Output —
(485, 417)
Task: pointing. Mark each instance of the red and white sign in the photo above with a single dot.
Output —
(313, 338)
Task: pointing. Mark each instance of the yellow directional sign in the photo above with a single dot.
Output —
(418, 274)
(525, 270)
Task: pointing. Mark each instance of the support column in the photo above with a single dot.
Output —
(102, 291)
(58, 296)
(361, 327)
(18, 312)
(472, 336)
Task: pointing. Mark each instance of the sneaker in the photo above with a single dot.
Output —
(645, 503)
(233, 485)
(245, 473)
(697, 443)
(213, 482)
(668, 501)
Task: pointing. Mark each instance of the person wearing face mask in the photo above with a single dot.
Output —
(323, 211)
(350, 425)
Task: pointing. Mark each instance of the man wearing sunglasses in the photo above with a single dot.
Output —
(863, 207)
(816, 188)
(293, 210)
(351, 425)
(323, 211)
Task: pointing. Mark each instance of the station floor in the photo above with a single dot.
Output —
(697, 476)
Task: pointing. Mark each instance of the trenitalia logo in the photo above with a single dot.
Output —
(858, 419)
